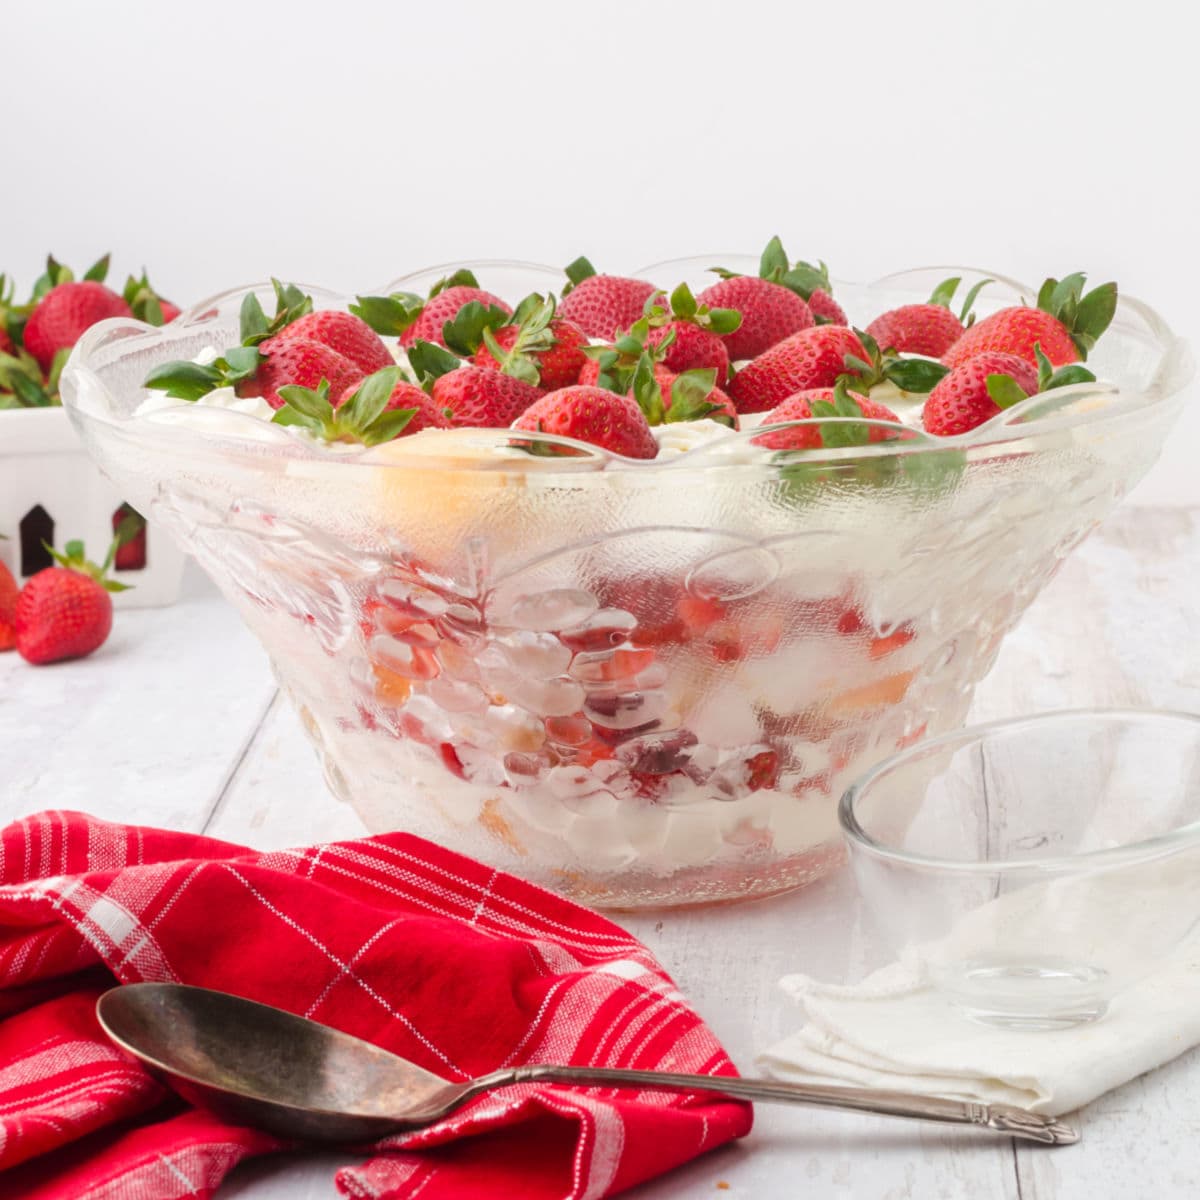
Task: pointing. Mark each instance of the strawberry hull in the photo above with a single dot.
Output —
(642, 683)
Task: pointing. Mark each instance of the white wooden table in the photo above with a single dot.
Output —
(176, 722)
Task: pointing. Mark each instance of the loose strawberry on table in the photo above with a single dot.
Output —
(1066, 324)
(603, 306)
(930, 328)
(66, 611)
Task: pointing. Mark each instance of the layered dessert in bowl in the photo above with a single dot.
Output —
(642, 675)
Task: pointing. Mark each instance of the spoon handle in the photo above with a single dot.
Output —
(1000, 1118)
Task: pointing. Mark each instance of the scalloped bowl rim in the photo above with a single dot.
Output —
(1173, 373)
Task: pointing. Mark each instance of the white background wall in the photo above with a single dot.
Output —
(347, 142)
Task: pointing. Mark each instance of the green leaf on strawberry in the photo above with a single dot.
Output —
(1004, 390)
(532, 318)
(98, 271)
(847, 429)
(389, 315)
(461, 278)
(1085, 316)
(908, 374)
(362, 418)
(464, 333)
(74, 557)
(430, 361)
(577, 272)
(1066, 376)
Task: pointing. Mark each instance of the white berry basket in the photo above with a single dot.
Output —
(51, 491)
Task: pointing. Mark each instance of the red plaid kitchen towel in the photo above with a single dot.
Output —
(444, 960)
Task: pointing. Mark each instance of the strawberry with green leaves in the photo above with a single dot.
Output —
(845, 412)
(768, 315)
(349, 335)
(816, 357)
(988, 383)
(413, 318)
(268, 357)
(589, 414)
(1066, 324)
(603, 306)
(930, 328)
(467, 395)
(666, 397)
(693, 333)
(384, 406)
(64, 308)
(65, 611)
(534, 345)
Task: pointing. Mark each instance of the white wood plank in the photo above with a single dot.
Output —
(147, 729)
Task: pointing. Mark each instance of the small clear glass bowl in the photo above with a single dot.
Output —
(640, 682)
(1034, 868)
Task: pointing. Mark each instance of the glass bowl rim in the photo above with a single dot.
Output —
(1173, 372)
(1160, 845)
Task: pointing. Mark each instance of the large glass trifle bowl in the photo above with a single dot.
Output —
(640, 682)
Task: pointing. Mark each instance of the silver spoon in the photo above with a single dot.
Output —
(265, 1067)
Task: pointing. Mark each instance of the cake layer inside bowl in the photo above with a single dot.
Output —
(640, 683)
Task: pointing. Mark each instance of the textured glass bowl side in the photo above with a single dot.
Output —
(641, 684)
(1035, 867)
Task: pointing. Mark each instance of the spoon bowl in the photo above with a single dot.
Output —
(257, 1065)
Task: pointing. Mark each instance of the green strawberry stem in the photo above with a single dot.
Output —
(74, 557)
(688, 397)
(681, 305)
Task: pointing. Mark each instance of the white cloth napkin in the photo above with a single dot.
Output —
(893, 1030)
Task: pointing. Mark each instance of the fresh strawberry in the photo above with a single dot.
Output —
(930, 328)
(767, 318)
(693, 334)
(825, 309)
(146, 304)
(380, 408)
(349, 335)
(698, 394)
(594, 415)
(443, 307)
(603, 306)
(537, 346)
(481, 397)
(812, 358)
(300, 362)
(826, 402)
(988, 383)
(64, 313)
(770, 312)
(1066, 323)
(691, 395)
(8, 604)
(66, 611)
(414, 318)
